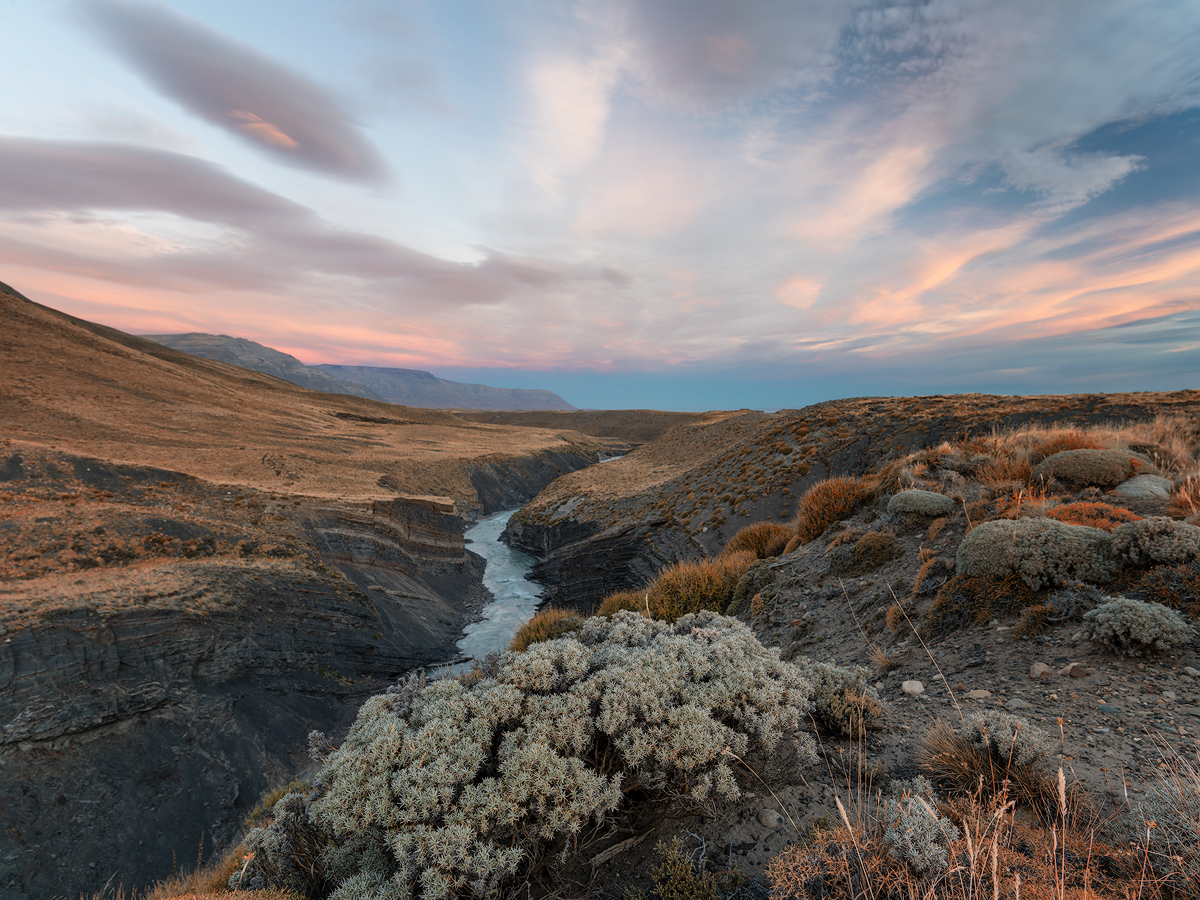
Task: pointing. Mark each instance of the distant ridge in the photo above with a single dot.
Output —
(251, 355)
(407, 387)
(412, 387)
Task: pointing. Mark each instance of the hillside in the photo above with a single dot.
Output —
(200, 564)
(412, 387)
(638, 426)
(251, 355)
(685, 494)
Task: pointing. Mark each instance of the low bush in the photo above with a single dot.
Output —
(1177, 587)
(915, 833)
(827, 502)
(689, 587)
(546, 624)
(1156, 541)
(763, 539)
(1132, 628)
(844, 701)
(1042, 552)
(757, 578)
(450, 789)
(1093, 515)
(874, 549)
(964, 601)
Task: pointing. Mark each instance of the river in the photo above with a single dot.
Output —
(516, 598)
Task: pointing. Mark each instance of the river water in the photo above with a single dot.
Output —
(516, 597)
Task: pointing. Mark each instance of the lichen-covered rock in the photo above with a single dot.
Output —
(1145, 487)
(1156, 541)
(1091, 468)
(1044, 553)
(929, 504)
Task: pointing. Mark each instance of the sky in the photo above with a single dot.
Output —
(676, 204)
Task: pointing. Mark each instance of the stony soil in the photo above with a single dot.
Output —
(1113, 718)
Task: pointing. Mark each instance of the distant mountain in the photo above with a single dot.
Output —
(408, 387)
(250, 355)
(412, 387)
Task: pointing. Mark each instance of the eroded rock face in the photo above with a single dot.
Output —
(154, 683)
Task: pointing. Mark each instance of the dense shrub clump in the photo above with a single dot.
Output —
(451, 788)
(1041, 552)
(964, 601)
(1132, 628)
(844, 702)
(1158, 541)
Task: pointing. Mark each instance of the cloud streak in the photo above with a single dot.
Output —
(238, 89)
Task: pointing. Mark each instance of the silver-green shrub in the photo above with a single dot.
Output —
(1132, 627)
(1044, 553)
(1009, 739)
(453, 790)
(1157, 541)
(842, 697)
(913, 831)
(920, 503)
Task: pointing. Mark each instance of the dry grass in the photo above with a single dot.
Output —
(1185, 500)
(1094, 515)
(763, 539)
(830, 501)
(689, 587)
(546, 624)
(996, 856)
(882, 660)
(635, 601)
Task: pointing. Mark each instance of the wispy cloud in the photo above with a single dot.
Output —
(239, 89)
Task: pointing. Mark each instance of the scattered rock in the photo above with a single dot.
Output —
(1018, 703)
(1040, 670)
(1145, 487)
(1074, 670)
(1188, 670)
(1170, 695)
(770, 818)
(913, 688)
(1105, 708)
(978, 694)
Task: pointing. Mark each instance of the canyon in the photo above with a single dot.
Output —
(200, 564)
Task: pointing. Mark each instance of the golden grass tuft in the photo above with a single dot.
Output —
(546, 624)
(881, 659)
(689, 587)
(831, 501)
(962, 768)
(1185, 499)
(1061, 440)
(763, 539)
(635, 601)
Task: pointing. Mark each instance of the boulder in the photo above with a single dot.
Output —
(1145, 487)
